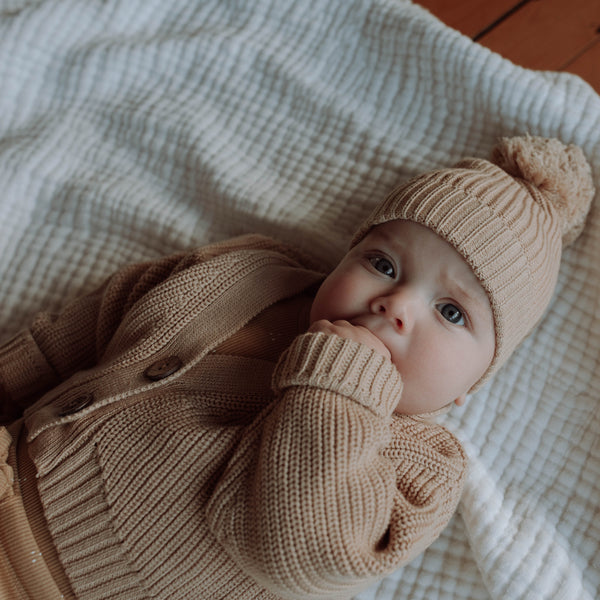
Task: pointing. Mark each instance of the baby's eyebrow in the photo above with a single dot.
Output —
(389, 237)
(472, 291)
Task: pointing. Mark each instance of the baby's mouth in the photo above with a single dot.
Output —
(366, 321)
(373, 324)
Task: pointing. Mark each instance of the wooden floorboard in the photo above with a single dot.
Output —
(470, 17)
(551, 35)
(587, 65)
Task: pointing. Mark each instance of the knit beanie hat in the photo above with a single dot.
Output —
(509, 218)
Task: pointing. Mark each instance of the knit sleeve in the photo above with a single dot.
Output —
(328, 492)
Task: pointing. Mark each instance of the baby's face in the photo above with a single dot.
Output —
(416, 294)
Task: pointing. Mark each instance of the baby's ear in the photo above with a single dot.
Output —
(460, 400)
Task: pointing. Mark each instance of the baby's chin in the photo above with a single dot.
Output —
(419, 402)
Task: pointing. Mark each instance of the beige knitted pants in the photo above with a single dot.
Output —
(23, 573)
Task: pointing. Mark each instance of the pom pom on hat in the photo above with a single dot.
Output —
(508, 218)
(558, 171)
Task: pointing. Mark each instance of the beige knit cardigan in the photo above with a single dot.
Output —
(167, 470)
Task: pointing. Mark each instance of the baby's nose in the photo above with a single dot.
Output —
(398, 308)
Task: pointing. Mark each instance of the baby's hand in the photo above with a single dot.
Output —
(357, 333)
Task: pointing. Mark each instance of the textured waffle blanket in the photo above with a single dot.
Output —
(133, 128)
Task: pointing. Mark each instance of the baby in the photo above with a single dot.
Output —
(228, 423)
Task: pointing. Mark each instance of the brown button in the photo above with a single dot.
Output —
(163, 368)
(76, 404)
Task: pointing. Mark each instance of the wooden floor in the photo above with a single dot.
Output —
(556, 35)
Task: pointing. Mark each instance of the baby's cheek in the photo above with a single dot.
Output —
(428, 368)
(332, 303)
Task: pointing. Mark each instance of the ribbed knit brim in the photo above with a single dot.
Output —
(508, 231)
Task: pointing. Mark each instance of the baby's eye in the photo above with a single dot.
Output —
(451, 313)
(383, 265)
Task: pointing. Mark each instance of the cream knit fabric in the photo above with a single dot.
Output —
(508, 218)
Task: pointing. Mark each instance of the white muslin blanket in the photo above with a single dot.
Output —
(133, 128)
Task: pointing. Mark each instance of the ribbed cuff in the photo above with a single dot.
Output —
(342, 366)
